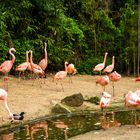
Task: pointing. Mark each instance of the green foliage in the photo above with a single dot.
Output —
(77, 31)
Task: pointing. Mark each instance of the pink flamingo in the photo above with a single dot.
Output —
(3, 96)
(104, 103)
(114, 77)
(44, 62)
(132, 100)
(22, 67)
(71, 70)
(61, 75)
(6, 66)
(100, 66)
(110, 68)
(35, 68)
(137, 79)
(103, 81)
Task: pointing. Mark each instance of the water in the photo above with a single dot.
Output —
(62, 127)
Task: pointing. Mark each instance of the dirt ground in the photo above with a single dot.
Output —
(37, 101)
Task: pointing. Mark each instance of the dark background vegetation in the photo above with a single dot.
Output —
(78, 31)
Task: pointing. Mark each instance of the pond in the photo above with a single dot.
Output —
(64, 126)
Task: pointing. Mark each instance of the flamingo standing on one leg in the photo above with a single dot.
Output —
(61, 75)
(132, 100)
(71, 70)
(44, 62)
(36, 68)
(103, 81)
(100, 66)
(114, 77)
(3, 96)
(110, 68)
(104, 103)
(6, 66)
(22, 67)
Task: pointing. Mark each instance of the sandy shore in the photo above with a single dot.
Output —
(38, 100)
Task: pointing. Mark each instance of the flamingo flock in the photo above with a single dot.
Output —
(132, 99)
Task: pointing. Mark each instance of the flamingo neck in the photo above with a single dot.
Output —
(45, 50)
(66, 67)
(105, 58)
(113, 61)
(7, 108)
(31, 59)
(13, 57)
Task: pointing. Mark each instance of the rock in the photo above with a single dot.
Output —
(60, 108)
(74, 100)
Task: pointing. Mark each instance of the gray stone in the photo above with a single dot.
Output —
(74, 100)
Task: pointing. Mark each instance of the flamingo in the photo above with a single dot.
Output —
(3, 96)
(35, 68)
(137, 79)
(71, 70)
(114, 77)
(22, 67)
(61, 75)
(100, 66)
(33, 129)
(132, 100)
(104, 103)
(44, 62)
(103, 81)
(110, 68)
(6, 66)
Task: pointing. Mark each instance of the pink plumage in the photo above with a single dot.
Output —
(105, 100)
(114, 76)
(103, 81)
(3, 96)
(6, 66)
(44, 62)
(100, 66)
(110, 68)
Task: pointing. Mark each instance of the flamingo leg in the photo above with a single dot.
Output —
(70, 78)
(103, 88)
(19, 76)
(113, 89)
(62, 87)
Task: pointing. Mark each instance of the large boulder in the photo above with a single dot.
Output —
(74, 100)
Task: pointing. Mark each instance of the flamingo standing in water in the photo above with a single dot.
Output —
(71, 70)
(6, 66)
(22, 67)
(103, 81)
(104, 103)
(44, 62)
(100, 66)
(3, 96)
(110, 68)
(61, 75)
(35, 68)
(114, 77)
(132, 100)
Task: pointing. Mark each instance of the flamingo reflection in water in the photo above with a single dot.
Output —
(7, 136)
(62, 125)
(32, 130)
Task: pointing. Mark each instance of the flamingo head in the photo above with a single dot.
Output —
(12, 49)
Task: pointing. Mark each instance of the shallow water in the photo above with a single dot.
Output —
(64, 126)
